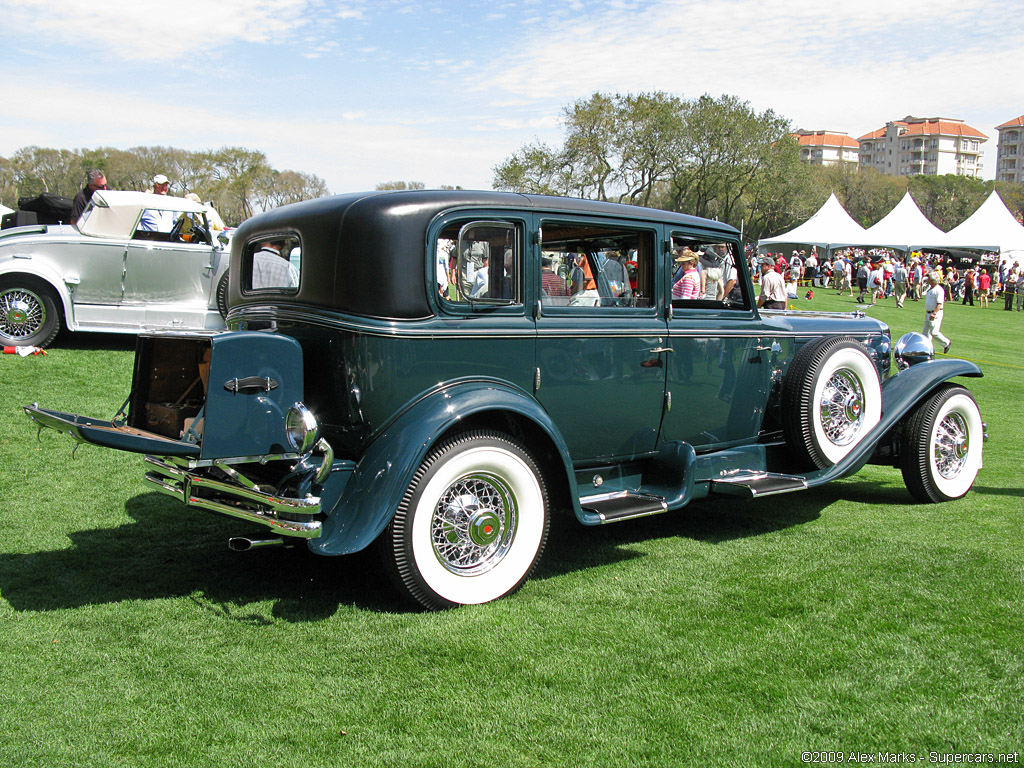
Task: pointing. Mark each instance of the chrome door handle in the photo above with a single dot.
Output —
(659, 350)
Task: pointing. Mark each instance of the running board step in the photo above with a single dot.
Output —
(753, 485)
(623, 505)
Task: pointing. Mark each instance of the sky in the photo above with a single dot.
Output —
(441, 92)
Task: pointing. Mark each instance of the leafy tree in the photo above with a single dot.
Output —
(948, 199)
(398, 185)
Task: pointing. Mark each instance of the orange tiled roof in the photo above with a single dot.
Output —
(930, 127)
(824, 139)
(1017, 122)
(879, 134)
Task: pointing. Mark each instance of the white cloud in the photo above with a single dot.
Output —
(153, 30)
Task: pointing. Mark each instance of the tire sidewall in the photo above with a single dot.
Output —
(957, 402)
(480, 455)
(852, 358)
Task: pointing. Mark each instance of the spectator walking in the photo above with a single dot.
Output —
(934, 301)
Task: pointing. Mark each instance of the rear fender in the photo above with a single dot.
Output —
(386, 469)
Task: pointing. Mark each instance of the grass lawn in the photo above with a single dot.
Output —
(847, 618)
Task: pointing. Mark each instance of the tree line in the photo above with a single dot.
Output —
(237, 181)
(720, 159)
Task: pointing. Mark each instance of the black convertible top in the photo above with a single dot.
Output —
(365, 253)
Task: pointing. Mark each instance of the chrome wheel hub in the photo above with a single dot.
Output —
(841, 407)
(952, 443)
(473, 524)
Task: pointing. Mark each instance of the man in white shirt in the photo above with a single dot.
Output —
(934, 301)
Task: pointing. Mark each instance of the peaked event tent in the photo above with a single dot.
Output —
(831, 224)
(904, 228)
(991, 226)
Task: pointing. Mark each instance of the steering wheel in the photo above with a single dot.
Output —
(175, 234)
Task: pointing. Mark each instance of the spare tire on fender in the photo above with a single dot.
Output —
(831, 399)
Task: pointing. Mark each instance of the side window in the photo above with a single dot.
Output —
(480, 263)
(272, 263)
(595, 265)
(155, 224)
(704, 273)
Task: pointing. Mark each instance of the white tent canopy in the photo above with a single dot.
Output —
(904, 228)
(831, 224)
(993, 227)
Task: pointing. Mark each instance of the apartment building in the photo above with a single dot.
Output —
(827, 147)
(923, 145)
(1010, 156)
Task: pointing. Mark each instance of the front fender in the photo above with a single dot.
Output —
(384, 472)
(900, 394)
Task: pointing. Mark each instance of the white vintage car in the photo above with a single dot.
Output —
(134, 262)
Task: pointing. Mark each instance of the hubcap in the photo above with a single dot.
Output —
(952, 443)
(473, 524)
(21, 313)
(842, 407)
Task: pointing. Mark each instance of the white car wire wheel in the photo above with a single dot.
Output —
(831, 398)
(941, 449)
(28, 314)
(471, 526)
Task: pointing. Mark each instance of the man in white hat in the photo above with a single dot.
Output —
(160, 184)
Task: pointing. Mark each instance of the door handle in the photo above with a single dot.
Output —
(659, 350)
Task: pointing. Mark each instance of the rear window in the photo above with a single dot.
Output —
(272, 264)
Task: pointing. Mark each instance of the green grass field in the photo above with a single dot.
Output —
(731, 633)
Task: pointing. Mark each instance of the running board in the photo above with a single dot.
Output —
(754, 485)
(623, 505)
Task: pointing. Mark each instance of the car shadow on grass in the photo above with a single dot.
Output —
(171, 552)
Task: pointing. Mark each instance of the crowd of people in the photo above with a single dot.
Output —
(883, 273)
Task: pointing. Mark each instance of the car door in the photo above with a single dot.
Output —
(599, 370)
(721, 363)
(160, 273)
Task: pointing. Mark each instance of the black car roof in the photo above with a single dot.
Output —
(363, 253)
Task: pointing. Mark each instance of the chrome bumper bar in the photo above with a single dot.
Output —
(251, 504)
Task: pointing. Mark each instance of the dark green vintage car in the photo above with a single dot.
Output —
(436, 373)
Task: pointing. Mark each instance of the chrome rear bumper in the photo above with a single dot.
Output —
(171, 475)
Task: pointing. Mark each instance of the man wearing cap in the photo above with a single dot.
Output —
(160, 184)
(153, 219)
(773, 289)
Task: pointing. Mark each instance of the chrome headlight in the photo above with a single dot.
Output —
(912, 348)
(301, 428)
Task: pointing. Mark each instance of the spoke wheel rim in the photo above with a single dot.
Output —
(22, 313)
(841, 407)
(474, 524)
(951, 446)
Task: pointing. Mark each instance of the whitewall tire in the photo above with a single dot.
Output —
(941, 449)
(472, 525)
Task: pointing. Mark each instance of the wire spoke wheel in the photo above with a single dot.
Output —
(842, 407)
(472, 525)
(28, 316)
